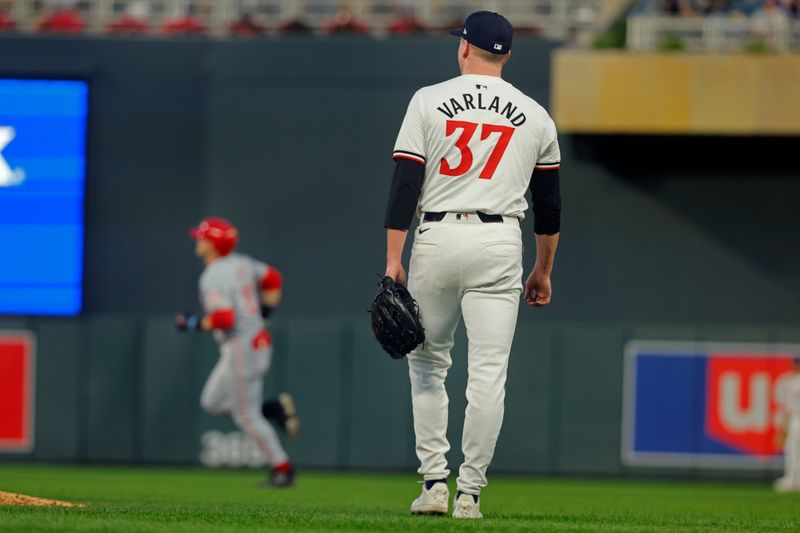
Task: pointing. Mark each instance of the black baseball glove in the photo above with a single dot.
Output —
(395, 319)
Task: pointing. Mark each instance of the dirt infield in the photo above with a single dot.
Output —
(9, 498)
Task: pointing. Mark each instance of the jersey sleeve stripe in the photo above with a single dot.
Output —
(402, 154)
(411, 157)
(548, 166)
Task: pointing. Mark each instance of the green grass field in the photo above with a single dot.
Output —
(154, 499)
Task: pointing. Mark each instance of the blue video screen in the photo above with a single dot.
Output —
(42, 175)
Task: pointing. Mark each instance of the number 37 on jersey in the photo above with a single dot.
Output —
(467, 132)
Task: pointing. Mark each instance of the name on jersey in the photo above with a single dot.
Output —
(455, 106)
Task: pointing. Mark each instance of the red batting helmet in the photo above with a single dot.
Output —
(219, 232)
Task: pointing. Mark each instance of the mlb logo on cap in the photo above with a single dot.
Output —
(488, 31)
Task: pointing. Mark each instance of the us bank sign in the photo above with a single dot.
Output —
(703, 404)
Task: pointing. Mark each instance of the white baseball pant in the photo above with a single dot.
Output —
(791, 454)
(235, 386)
(463, 267)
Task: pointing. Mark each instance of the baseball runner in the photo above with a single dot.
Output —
(789, 431)
(237, 293)
(467, 151)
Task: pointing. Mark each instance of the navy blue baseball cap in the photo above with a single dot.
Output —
(488, 31)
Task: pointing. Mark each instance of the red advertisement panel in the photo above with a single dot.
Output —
(744, 389)
(17, 374)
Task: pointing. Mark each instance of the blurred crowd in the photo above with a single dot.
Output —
(138, 18)
(733, 8)
(715, 25)
(243, 18)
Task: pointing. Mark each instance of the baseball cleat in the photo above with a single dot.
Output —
(280, 479)
(292, 424)
(433, 501)
(785, 485)
(467, 506)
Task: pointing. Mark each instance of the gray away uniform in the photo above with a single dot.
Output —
(235, 385)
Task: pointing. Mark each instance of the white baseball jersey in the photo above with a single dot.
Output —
(480, 139)
(231, 282)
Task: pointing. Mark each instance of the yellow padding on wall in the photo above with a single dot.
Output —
(728, 94)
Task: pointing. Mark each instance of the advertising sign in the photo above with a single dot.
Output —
(17, 388)
(703, 404)
(42, 174)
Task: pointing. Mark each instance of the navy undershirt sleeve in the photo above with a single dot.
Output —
(404, 194)
(546, 199)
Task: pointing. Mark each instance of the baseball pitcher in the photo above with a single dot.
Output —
(467, 151)
(237, 293)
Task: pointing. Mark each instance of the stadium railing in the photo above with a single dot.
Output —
(712, 34)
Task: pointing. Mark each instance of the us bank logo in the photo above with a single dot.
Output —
(746, 392)
(9, 177)
(703, 404)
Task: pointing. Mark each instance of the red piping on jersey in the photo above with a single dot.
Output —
(548, 167)
(412, 158)
(222, 319)
(272, 280)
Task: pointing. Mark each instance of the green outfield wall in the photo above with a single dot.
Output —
(670, 238)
